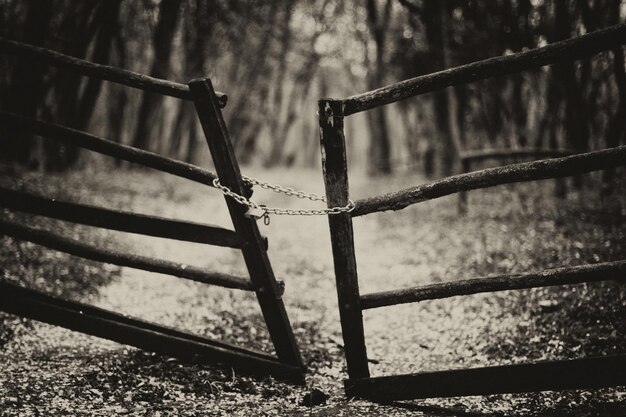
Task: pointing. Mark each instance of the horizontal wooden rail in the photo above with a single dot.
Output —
(484, 154)
(144, 335)
(73, 247)
(107, 147)
(585, 373)
(570, 49)
(103, 72)
(559, 276)
(507, 174)
(119, 220)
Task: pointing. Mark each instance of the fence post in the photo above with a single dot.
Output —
(335, 168)
(258, 264)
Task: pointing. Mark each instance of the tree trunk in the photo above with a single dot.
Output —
(277, 122)
(520, 116)
(380, 152)
(109, 25)
(83, 19)
(445, 145)
(26, 91)
(102, 51)
(251, 102)
(445, 103)
(616, 130)
(193, 142)
(162, 41)
(197, 31)
(576, 126)
(117, 99)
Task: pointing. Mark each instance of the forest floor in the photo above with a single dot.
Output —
(47, 370)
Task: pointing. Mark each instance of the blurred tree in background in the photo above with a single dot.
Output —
(276, 58)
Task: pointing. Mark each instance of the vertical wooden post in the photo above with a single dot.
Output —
(335, 167)
(258, 264)
(462, 202)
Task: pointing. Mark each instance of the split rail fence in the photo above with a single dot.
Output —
(577, 373)
(245, 237)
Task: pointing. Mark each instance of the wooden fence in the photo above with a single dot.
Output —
(470, 158)
(579, 373)
(245, 237)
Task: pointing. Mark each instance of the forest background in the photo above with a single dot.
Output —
(276, 58)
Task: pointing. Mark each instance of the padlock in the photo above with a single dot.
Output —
(255, 213)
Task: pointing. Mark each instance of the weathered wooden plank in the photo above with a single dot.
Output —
(507, 174)
(585, 373)
(254, 249)
(484, 154)
(119, 220)
(569, 49)
(334, 163)
(604, 271)
(107, 147)
(103, 72)
(134, 332)
(73, 247)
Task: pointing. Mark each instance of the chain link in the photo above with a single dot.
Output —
(283, 190)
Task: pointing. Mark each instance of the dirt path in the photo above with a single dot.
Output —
(52, 371)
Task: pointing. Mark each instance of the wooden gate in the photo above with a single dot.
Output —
(246, 236)
(581, 373)
(470, 158)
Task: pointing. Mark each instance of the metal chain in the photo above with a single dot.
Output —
(238, 198)
(283, 190)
